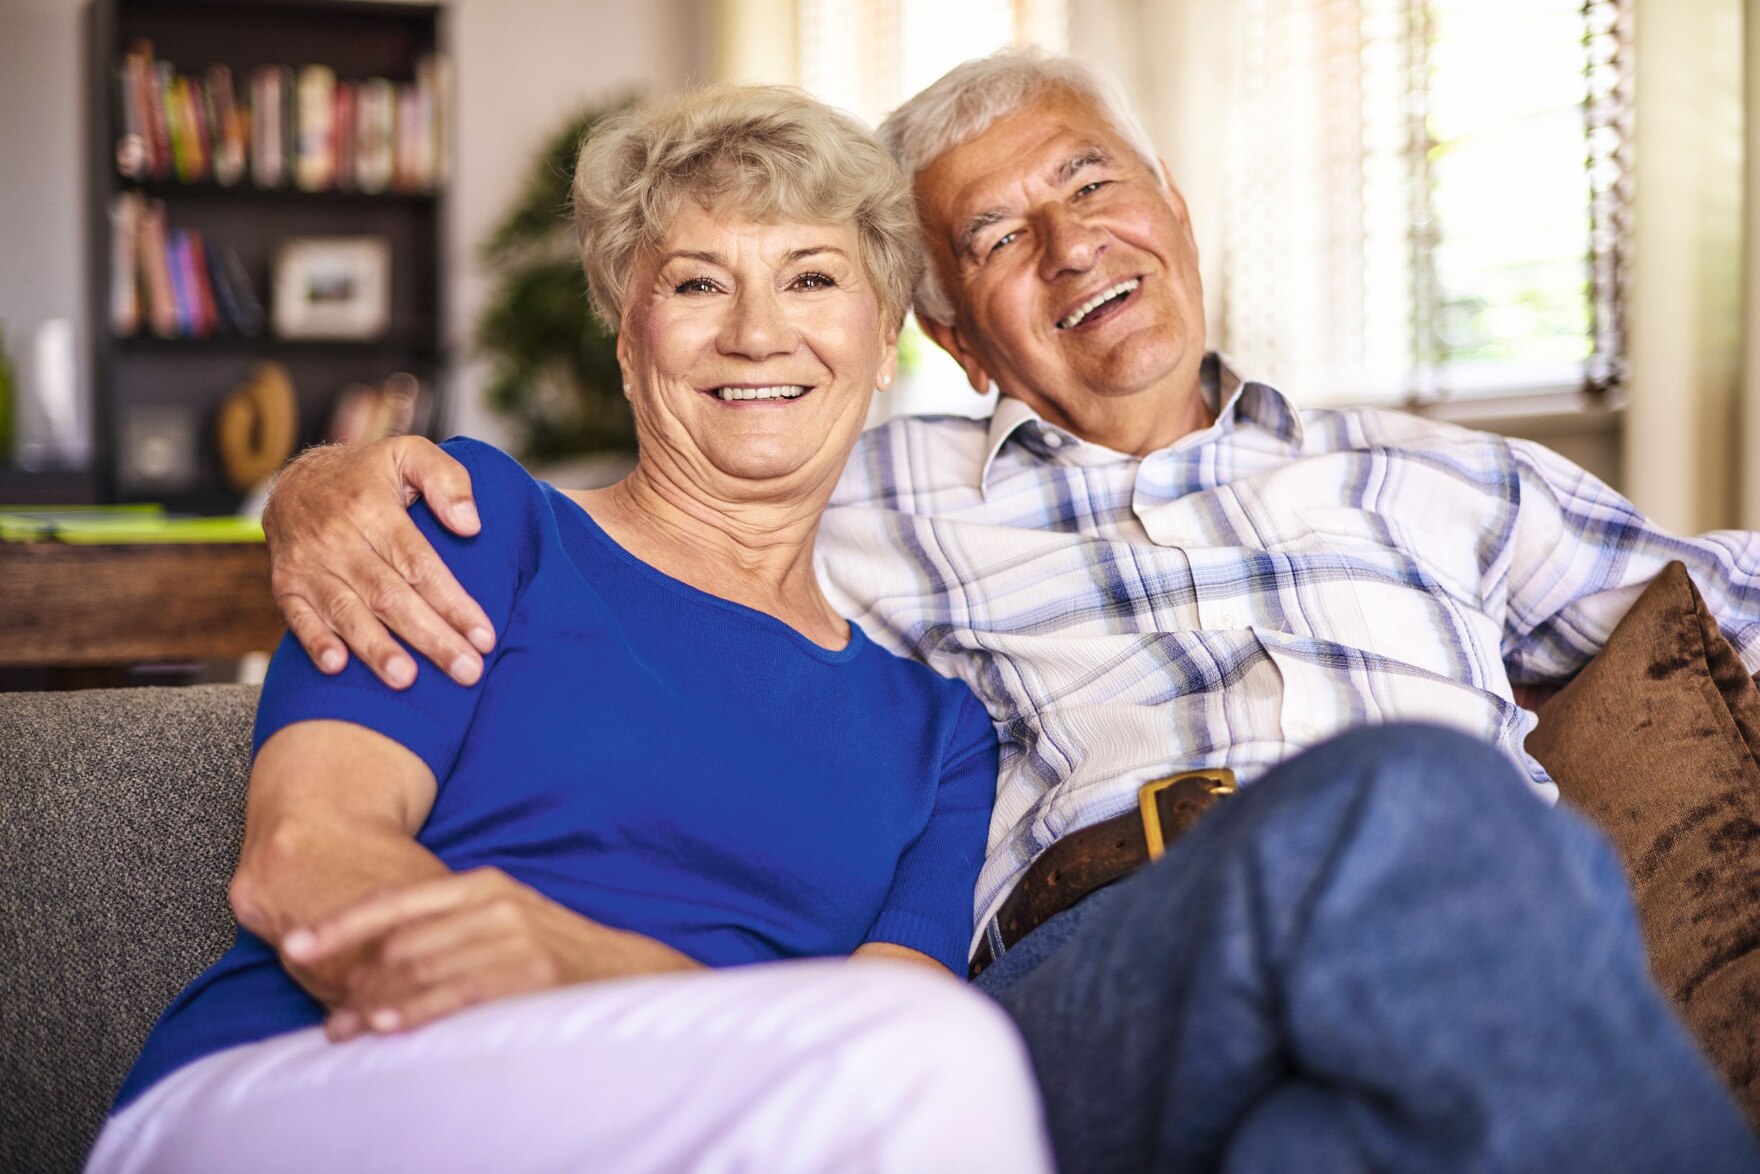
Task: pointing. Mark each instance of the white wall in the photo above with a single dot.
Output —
(42, 251)
(521, 68)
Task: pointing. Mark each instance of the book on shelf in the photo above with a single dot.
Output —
(303, 128)
(315, 149)
(342, 173)
(271, 87)
(375, 105)
(174, 280)
(231, 126)
(125, 236)
(155, 267)
(174, 268)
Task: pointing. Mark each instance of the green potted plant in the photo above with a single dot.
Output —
(555, 367)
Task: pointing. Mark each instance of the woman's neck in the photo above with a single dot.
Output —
(755, 553)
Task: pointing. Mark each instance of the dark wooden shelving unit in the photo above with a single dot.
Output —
(192, 376)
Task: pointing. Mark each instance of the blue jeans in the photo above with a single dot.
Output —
(1386, 954)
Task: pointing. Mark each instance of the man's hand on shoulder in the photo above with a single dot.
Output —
(346, 562)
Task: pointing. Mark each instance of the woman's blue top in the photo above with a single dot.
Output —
(652, 757)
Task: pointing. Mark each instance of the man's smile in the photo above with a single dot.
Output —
(1101, 305)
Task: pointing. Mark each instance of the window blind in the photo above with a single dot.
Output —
(1428, 198)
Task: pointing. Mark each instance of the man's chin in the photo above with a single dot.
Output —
(1142, 363)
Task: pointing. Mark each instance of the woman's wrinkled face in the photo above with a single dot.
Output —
(751, 350)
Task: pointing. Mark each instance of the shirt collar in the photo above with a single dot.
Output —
(1242, 402)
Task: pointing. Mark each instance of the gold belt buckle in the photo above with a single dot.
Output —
(1214, 781)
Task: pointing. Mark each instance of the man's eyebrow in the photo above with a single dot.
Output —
(977, 224)
(1062, 174)
(1087, 157)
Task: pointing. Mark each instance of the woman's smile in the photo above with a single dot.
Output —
(774, 394)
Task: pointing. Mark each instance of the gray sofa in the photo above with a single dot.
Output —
(121, 813)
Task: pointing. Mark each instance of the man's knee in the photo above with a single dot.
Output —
(1429, 772)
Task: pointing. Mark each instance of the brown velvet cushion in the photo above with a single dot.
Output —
(1656, 742)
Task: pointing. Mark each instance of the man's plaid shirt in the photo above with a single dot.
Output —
(1239, 595)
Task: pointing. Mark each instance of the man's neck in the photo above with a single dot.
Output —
(1136, 424)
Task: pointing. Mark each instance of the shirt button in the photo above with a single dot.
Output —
(1228, 617)
(1052, 439)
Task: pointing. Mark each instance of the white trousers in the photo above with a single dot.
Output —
(795, 1066)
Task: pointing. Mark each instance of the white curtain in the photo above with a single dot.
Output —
(1684, 313)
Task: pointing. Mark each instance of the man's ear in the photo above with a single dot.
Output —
(948, 338)
(1173, 194)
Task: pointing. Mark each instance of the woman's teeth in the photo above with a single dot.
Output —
(791, 391)
(1095, 302)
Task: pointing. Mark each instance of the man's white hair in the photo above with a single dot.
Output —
(963, 103)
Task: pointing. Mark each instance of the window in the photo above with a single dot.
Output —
(1427, 198)
(866, 56)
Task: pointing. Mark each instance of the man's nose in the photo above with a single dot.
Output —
(757, 326)
(1072, 245)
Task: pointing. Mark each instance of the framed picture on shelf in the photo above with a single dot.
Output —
(336, 287)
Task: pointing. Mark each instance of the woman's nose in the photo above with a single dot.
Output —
(757, 326)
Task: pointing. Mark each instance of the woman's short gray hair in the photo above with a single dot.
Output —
(766, 152)
(966, 99)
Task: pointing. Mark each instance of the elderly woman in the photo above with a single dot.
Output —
(678, 757)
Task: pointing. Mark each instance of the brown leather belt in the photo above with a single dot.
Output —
(1093, 857)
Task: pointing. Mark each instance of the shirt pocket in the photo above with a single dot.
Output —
(1301, 606)
(1422, 592)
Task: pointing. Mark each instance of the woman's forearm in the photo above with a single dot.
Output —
(301, 871)
(331, 820)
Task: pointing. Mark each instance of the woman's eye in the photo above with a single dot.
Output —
(695, 285)
(814, 281)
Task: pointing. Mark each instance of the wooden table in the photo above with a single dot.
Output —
(88, 606)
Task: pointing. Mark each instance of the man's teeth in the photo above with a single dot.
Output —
(1095, 302)
(789, 391)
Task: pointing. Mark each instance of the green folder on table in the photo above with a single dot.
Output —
(119, 524)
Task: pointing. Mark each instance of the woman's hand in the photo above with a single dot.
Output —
(436, 947)
(345, 559)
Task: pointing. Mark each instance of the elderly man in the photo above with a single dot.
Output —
(1385, 952)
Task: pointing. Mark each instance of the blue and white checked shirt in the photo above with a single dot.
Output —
(1239, 595)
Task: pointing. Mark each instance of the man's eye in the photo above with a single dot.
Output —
(1089, 189)
(814, 281)
(695, 285)
(1003, 240)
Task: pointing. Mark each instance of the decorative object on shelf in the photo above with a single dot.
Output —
(54, 419)
(257, 427)
(555, 369)
(332, 287)
(157, 450)
(396, 407)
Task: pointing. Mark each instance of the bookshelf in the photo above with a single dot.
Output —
(149, 389)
